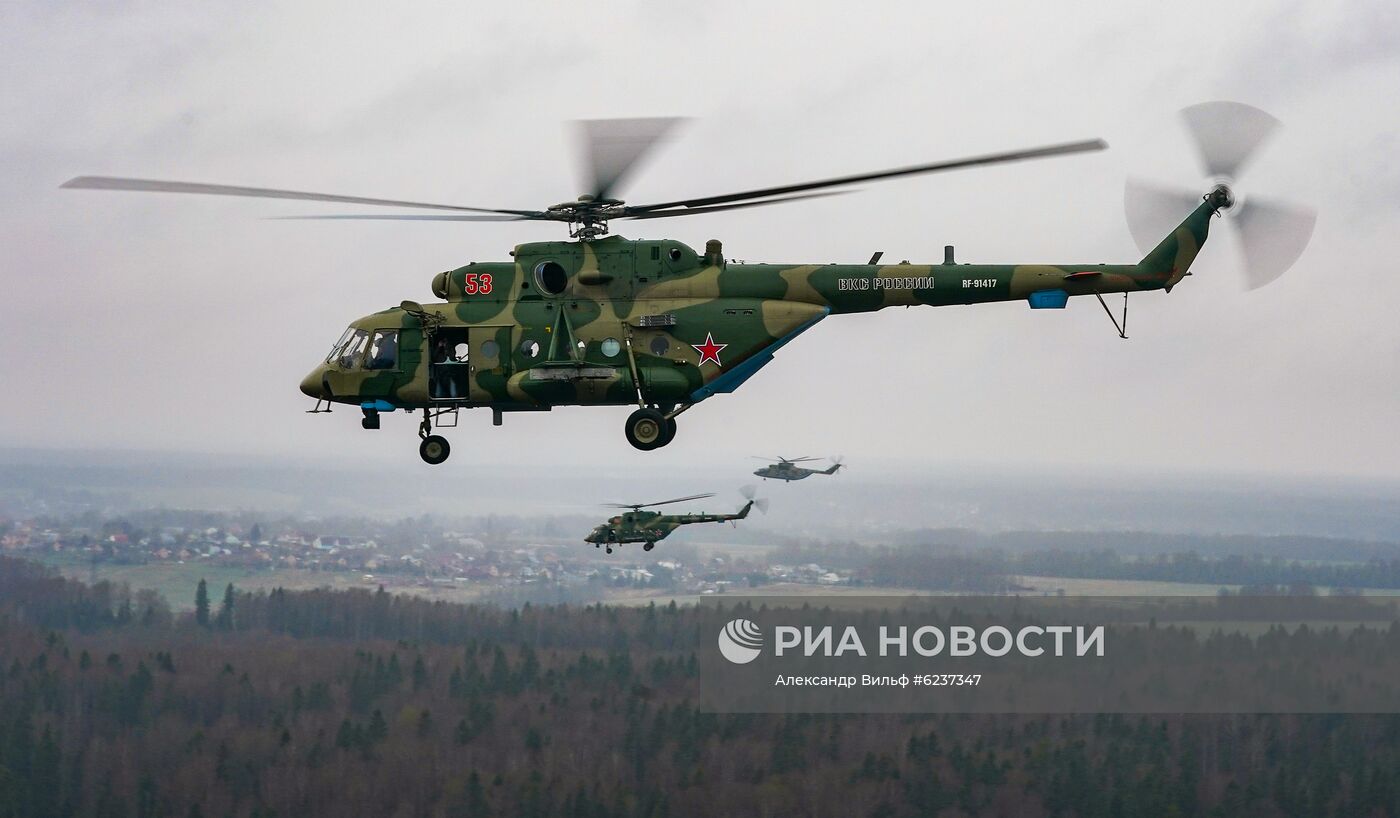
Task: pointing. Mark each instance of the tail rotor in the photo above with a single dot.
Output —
(751, 494)
(1227, 136)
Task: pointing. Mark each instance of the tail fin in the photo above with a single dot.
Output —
(744, 512)
(834, 468)
(1171, 259)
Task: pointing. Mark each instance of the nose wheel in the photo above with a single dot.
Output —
(434, 449)
(649, 429)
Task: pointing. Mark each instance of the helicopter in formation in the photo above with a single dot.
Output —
(781, 468)
(649, 527)
(605, 321)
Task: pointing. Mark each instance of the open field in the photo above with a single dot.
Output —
(631, 596)
(177, 581)
(1119, 587)
(1131, 587)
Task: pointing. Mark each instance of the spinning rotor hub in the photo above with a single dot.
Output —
(1221, 197)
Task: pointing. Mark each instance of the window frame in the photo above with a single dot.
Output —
(374, 336)
(334, 355)
(357, 358)
(539, 280)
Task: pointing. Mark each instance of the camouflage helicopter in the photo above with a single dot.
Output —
(647, 527)
(606, 321)
(787, 470)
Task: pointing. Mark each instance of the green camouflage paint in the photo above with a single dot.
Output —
(688, 325)
(652, 526)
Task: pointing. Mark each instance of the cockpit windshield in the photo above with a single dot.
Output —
(339, 345)
(346, 352)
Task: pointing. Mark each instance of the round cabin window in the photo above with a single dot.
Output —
(490, 349)
(550, 277)
(530, 349)
(610, 347)
(675, 254)
(659, 346)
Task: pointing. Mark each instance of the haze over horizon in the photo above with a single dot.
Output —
(183, 324)
(869, 501)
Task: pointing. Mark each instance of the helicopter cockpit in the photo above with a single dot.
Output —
(603, 533)
(350, 351)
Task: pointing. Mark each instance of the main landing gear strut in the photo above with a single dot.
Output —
(651, 426)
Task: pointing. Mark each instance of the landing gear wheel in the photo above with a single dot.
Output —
(668, 434)
(646, 429)
(434, 449)
(371, 419)
(610, 549)
(648, 546)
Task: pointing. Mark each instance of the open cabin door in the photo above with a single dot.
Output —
(449, 370)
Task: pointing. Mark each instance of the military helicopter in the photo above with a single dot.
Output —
(647, 527)
(606, 321)
(787, 470)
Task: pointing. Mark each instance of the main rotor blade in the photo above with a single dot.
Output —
(1153, 210)
(611, 147)
(414, 217)
(158, 186)
(680, 499)
(1272, 236)
(661, 503)
(1227, 134)
(690, 211)
(975, 161)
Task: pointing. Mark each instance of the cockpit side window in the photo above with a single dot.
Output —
(348, 354)
(383, 350)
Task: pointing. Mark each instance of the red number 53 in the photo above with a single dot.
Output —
(477, 284)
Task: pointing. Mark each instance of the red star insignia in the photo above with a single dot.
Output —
(709, 351)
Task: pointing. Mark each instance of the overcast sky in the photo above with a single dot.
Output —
(185, 323)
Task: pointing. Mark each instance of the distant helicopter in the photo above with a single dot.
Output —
(646, 527)
(788, 470)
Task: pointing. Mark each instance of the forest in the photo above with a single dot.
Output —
(364, 703)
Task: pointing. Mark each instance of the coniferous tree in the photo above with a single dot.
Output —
(477, 805)
(201, 603)
(225, 618)
(420, 674)
(378, 728)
